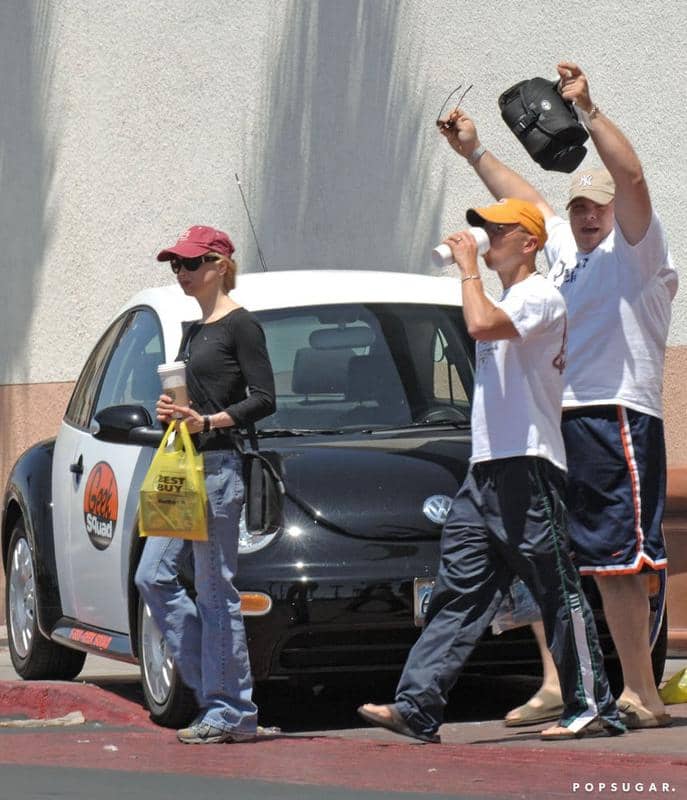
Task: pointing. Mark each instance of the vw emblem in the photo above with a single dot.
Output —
(546, 106)
(436, 508)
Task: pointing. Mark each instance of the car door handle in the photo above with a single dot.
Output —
(77, 466)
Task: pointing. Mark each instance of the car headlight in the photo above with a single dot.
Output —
(251, 542)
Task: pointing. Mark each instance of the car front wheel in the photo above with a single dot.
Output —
(34, 657)
(169, 700)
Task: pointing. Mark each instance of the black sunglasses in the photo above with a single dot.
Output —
(189, 264)
(447, 125)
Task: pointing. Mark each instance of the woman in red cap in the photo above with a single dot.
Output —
(230, 384)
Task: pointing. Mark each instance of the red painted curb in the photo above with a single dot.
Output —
(480, 769)
(49, 699)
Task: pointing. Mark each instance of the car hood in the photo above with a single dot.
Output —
(375, 488)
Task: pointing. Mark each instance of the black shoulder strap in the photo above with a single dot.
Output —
(194, 386)
(189, 333)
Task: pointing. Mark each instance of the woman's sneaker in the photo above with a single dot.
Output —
(202, 733)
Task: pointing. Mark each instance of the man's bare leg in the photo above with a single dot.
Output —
(626, 608)
(547, 702)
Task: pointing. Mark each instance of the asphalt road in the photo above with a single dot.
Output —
(22, 783)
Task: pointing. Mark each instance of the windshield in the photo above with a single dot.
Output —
(368, 366)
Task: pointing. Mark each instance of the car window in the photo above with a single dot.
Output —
(131, 373)
(367, 365)
(448, 384)
(81, 402)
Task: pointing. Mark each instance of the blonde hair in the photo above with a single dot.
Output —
(229, 277)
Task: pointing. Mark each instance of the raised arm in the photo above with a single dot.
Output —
(485, 321)
(632, 200)
(500, 180)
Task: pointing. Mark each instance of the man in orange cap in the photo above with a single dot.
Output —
(508, 517)
(610, 260)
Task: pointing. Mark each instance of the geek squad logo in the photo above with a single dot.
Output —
(100, 505)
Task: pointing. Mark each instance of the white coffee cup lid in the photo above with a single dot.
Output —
(174, 366)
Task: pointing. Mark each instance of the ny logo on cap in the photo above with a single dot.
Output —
(586, 180)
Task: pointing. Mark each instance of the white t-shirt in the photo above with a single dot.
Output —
(618, 299)
(516, 409)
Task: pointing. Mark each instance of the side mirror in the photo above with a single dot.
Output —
(126, 425)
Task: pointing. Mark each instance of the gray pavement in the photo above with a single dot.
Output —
(84, 784)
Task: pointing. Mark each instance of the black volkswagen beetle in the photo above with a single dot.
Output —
(371, 437)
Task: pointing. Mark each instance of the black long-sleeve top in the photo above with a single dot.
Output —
(228, 369)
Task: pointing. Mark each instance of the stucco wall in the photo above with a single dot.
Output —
(123, 123)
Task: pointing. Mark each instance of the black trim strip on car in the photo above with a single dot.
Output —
(91, 639)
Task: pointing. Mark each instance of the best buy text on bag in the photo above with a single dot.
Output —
(173, 500)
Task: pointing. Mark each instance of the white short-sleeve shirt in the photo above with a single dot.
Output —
(618, 299)
(516, 409)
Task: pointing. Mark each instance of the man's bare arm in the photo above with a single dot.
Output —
(484, 320)
(632, 200)
(499, 179)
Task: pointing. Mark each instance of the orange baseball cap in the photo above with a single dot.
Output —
(511, 212)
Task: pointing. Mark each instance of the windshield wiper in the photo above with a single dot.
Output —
(273, 432)
(460, 425)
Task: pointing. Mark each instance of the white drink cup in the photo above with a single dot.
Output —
(443, 257)
(173, 380)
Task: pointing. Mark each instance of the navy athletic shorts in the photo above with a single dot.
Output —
(616, 489)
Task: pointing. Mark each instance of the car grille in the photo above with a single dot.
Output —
(338, 650)
(376, 649)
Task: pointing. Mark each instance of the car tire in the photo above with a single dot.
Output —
(33, 656)
(170, 702)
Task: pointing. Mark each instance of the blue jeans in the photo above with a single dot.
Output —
(206, 639)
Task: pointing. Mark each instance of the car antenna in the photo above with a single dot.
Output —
(252, 227)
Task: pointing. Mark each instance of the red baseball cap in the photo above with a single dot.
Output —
(197, 241)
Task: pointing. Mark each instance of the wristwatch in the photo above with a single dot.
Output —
(207, 425)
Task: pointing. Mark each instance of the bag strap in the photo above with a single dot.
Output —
(256, 454)
(525, 122)
(185, 349)
(234, 432)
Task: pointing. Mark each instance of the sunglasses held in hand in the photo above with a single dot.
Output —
(447, 125)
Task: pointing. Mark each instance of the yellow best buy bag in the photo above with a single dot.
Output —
(675, 690)
(172, 500)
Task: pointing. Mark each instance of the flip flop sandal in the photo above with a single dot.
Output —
(527, 714)
(395, 723)
(595, 729)
(636, 718)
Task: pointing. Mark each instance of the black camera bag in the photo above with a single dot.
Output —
(545, 123)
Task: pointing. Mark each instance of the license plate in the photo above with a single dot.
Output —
(422, 591)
